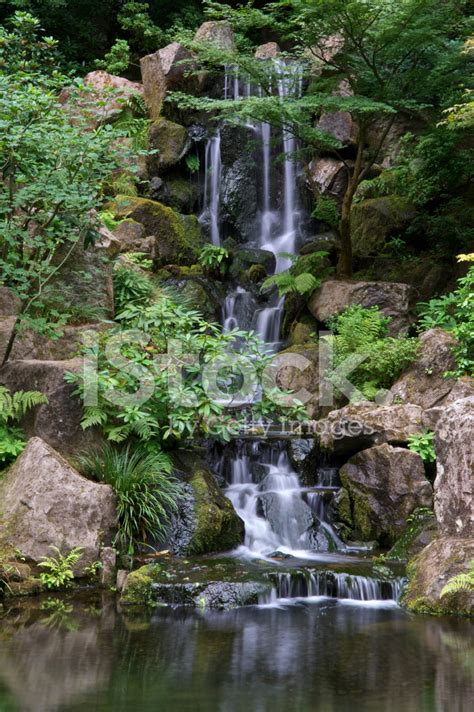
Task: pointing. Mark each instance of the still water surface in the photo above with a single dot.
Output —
(320, 655)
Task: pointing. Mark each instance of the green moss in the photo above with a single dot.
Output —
(137, 591)
(169, 141)
(178, 237)
(180, 195)
(374, 220)
(218, 528)
(400, 551)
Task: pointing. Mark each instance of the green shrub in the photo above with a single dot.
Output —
(146, 493)
(361, 332)
(130, 287)
(213, 259)
(59, 567)
(422, 444)
(12, 409)
(303, 277)
(455, 313)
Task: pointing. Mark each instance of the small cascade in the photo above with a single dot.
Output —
(238, 310)
(279, 514)
(329, 584)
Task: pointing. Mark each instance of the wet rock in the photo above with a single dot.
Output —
(45, 502)
(400, 125)
(385, 485)
(324, 242)
(394, 300)
(328, 176)
(222, 596)
(170, 141)
(454, 484)
(108, 559)
(431, 570)
(154, 83)
(58, 422)
(180, 194)
(297, 370)
(219, 33)
(269, 50)
(108, 90)
(423, 382)
(244, 259)
(206, 520)
(177, 237)
(356, 427)
(239, 181)
(375, 220)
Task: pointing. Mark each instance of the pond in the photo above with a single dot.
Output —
(313, 654)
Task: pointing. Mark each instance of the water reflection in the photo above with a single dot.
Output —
(314, 656)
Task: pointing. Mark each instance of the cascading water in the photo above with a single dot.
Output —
(281, 517)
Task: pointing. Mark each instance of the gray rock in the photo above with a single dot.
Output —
(170, 141)
(431, 570)
(356, 427)
(454, 484)
(10, 304)
(59, 421)
(217, 595)
(176, 61)
(30, 345)
(328, 176)
(394, 300)
(385, 485)
(45, 502)
(108, 559)
(423, 382)
(219, 33)
(269, 50)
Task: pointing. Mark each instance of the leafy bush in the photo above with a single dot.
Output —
(460, 583)
(455, 313)
(361, 332)
(12, 409)
(130, 287)
(146, 493)
(423, 445)
(59, 567)
(213, 259)
(303, 277)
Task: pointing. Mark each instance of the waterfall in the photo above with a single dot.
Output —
(308, 583)
(210, 213)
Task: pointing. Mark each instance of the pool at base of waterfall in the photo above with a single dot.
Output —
(75, 654)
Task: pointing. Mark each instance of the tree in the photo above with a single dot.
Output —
(50, 173)
(392, 55)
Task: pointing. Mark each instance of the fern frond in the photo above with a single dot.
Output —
(93, 415)
(306, 283)
(462, 583)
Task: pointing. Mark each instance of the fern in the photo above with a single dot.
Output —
(12, 408)
(462, 583)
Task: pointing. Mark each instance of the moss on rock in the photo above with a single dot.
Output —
(170, 141)
(137, 590)
(374, 220)
(178, 238)
(218, 527)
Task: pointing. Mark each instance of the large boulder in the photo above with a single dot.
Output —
(154, 83)
(176, 62)
(423, 382)
(328, 176)
(239, 181)
(170, 141)
(385, 485)
(296, 369)
(269, 50)
(206, 520)
(59, 421)
(394, 299)
(131, 237)
(394, 128)
(45, 502)
(454, 484)
(219, 33)
(375, 220)
(356, 427)
(178, 238)
(178, 193)
(104, 99)
(431, 570)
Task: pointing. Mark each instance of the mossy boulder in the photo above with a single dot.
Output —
(179, 193)
(375, 220)
(206, 520)
(385, 484)
(137, 589)
(178, 238)
(170, 141)
(431, 570)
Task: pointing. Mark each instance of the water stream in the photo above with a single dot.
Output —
(282, 518)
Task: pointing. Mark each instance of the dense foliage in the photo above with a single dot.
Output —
(12, 408)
